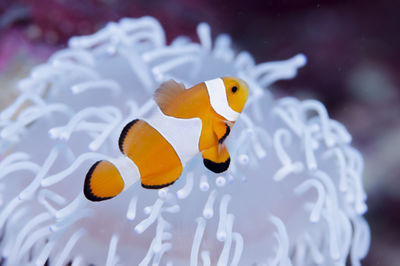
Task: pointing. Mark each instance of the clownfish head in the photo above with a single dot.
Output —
(237, 92)
(228, 95)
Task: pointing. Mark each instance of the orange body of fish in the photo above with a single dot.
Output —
(185, 123)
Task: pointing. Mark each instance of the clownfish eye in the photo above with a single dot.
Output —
(234, 89)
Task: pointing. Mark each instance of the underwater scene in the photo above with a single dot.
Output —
(199, 133)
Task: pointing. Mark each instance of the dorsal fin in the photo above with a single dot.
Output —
(167, 92)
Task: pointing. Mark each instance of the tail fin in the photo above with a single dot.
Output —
(103, 181)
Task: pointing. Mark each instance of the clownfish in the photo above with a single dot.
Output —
(156, 148)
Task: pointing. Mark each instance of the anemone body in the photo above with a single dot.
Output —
(293, 194)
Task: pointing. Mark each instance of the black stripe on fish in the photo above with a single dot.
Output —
(124, 133)
(157, 186)
(228, 130)
(217, 167)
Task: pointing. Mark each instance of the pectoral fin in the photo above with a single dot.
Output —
(217, 158)
(221, 130)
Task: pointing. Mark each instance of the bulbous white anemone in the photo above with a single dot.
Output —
(293, 194)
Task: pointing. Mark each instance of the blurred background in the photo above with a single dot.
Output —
(353, 50)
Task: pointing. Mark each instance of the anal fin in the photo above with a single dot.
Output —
(161, 180)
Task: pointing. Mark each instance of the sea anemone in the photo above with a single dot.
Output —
(293, 194)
